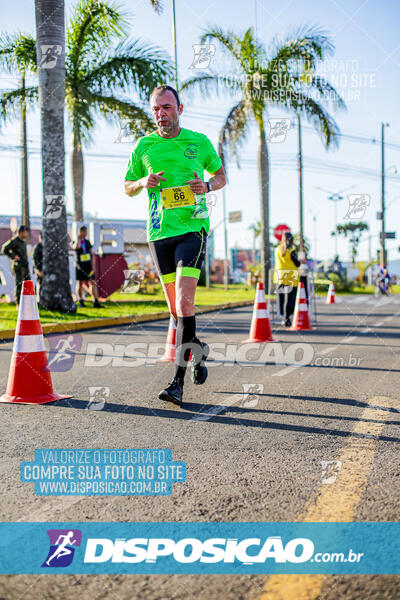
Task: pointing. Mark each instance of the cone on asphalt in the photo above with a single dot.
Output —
(301, 319)
(330, 299)
(170, 345)
(29, 379)
(260, 329)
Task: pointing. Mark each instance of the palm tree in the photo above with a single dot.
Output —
(55, 291)
(354, 231)
(256, 229)
(98, 74)
(282, 76)
(18, 56)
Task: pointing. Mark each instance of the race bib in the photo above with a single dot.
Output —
(176, 197)
(85, 257)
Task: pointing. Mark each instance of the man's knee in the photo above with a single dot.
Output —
(185, 307)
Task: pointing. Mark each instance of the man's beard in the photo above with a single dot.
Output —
(170, 127)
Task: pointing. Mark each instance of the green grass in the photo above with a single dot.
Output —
(120, 305)
(368, 289)
(213, 295)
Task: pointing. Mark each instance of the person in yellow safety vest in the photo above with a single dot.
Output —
(286, 277)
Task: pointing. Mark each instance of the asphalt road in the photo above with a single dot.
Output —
(315, 440)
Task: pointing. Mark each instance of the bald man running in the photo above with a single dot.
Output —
(170, 164)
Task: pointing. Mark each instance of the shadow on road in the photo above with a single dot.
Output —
(182, 415)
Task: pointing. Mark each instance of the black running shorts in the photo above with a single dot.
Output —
(181, 255)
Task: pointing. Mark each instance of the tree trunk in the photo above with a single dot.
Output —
(77, 177)
(263, 173)
(25, 220)
(55, 291)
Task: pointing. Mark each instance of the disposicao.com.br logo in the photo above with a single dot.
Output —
(190, 550)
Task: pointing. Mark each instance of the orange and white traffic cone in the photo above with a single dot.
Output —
(260, 329)
(170, 345)
(330, 299)
(29, 379)
(301, 319)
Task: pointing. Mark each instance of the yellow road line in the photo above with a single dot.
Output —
(336, 502)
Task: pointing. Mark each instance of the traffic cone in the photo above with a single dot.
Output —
(29, 379)
(260, 329)
(301, 319)
(330, 299)
(170, 345)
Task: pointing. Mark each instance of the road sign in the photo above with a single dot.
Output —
(235, 216)
(280, 230)
(389, 235)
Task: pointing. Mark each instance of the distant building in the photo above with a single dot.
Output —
(135, 244)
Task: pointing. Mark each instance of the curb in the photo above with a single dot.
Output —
(87, 324)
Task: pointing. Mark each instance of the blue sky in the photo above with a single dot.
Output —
(365, 69)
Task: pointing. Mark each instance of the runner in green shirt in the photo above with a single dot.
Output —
(170, 164)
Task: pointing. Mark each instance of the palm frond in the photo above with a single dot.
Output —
(234, 131)
(93, 27)
(135, 119)
(132, 64)
(305, 43)
(252, 51)
(17, 53)
(328, 93)
(81, 116)
(208, 84)
(227, 39)
(318, 116)
(10, 102)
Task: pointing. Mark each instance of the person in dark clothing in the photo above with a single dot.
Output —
(38, 263)
(84, 270)
(16, 251)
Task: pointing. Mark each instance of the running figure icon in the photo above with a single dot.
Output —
(62, 549)
(62, 346)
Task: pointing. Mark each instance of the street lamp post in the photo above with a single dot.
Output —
(383, 246)
(226, 267)
(300, 164)
(174, 41)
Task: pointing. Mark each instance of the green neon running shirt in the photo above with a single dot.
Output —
(178, 157)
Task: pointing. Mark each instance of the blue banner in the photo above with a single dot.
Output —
(204, 548)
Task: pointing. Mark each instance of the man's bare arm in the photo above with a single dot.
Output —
(218, 179)
(133, 188)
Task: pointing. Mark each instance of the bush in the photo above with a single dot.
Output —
(345, 285)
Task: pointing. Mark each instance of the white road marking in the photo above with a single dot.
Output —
(327, 350)
(216, 410)
(286, 370)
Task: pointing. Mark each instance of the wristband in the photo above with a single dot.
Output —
(209, 188)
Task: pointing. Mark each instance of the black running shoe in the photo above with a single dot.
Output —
(81, 302)
(199, 354)
(96, 304)
(172, 393)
